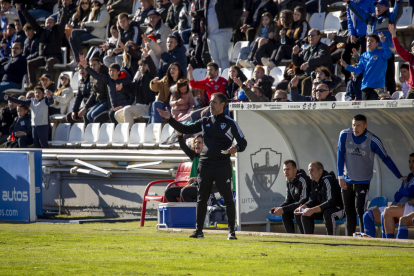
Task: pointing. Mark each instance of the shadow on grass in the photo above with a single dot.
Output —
(341, 244)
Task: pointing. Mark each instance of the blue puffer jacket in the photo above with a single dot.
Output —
(356, 26)
(178, 55)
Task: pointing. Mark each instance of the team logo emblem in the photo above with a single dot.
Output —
(375, 57)
(199, 180)
(266, 166)
(223, 125)
(363, 145)
(216, 86)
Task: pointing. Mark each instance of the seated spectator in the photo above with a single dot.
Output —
(404, 77)
(213, 83)
(127, 32)
(99, 51)
(98, 100)
(293, 35)
(232, 87)
(70, 5)
(353, 88)
(219, 27)
(119, 87)
(162, 8)
(8, 40)
(288, 74)
(175, 53)
(315, 55)
(20, 34)
(39, 114)
(130, 56)
(262, 80)
(47, 83)
(373, 65)
(325, 201)
(189, 192)
(184, 23)
(404, 221)
(338, 42)
(144, 96)
(84, 92)
(267, 37)
(8, 14)
(43, 9)
(298, 189)
(401, 207)
(408, 57)
(280, 96)
(14, 70)
(254, 94)
(80, 16)
(7, 115)
(94, 28)
(50, 42)
(116, 7)
(21, 129)
(178, 18)
(141, 15)
(254, 16)
(31, 44)
(181, 100)
(163, 86)
(322, 92)
(159, 33)
(62, 96)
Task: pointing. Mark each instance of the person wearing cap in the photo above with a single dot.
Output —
(175, 52)
(47, 83)
(254, 93)
(7, 14)
(31, 44)
(378, 23)
(373, 64)
(161, 33)
(62, 96)
(14, 69)
(141, 15)
(407, 56)
(50, 43)
(95, 27)
(84, 92)
(322, 92)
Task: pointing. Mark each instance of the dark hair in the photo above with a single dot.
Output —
(40, 88)
(25, 107)
(16, 20)
(288, 19)
(290, 162)
(404, 66)
(79, 12)
(259, 88)
(96, 11)
(374, 36)
(113, 27)
(170, 80)
(123, 15)
(221, 97)
(142, 62)
(324, 70)
(213, 64)
(318, 164)
(12, 25)
(181, 83)
(360, 117)
(302, 11)
(195, 138)
(174, 37)
(412, 154)
(240, 75)
(115, 66)
(27, 26)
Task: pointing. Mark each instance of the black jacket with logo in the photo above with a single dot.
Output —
(218, 132)
(325, 193)
(297, 192)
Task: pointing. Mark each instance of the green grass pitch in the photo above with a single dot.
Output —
(127, 249)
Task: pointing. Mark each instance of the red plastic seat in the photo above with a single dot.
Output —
(181, 178)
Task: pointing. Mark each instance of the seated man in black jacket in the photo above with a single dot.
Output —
(84, 92)
(119, 87)
(7, 115)
(321, 91)
(50, 43)
(325, 202)
(297, 193)
(31, 44)
(14, 70)
(21, 129)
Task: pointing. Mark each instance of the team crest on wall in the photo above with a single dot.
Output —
(266, 165)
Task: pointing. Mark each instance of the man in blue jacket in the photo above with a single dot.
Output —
(378, 23)
(175, 52)
(356, 150)
(400, 207)
(14, 70)
(373, 64)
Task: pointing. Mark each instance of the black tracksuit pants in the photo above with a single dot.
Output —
(328, 215)
(223, 177)
(287, 218)
(359, 192)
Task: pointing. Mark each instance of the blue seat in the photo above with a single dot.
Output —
(273, 218)
(380, 201)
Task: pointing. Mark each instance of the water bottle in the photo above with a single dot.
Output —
(283, 39)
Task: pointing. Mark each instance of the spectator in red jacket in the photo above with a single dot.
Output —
(405, 55)
(213, 83)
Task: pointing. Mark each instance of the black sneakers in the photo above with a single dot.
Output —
(232, 236)
(197, 235)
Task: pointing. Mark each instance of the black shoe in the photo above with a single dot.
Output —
(232, 236)
(197, 235)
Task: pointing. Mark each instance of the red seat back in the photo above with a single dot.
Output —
(183, 172)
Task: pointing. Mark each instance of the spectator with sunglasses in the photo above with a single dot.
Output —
(322, 92)
(281, 96)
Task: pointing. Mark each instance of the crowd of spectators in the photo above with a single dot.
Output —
(146, 59)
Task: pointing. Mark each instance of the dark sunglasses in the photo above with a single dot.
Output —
(278, 99)
(312, 35)
(320, 90)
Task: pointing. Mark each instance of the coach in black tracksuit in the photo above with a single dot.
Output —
(325, 201)
(298, 187)
(219, 131)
